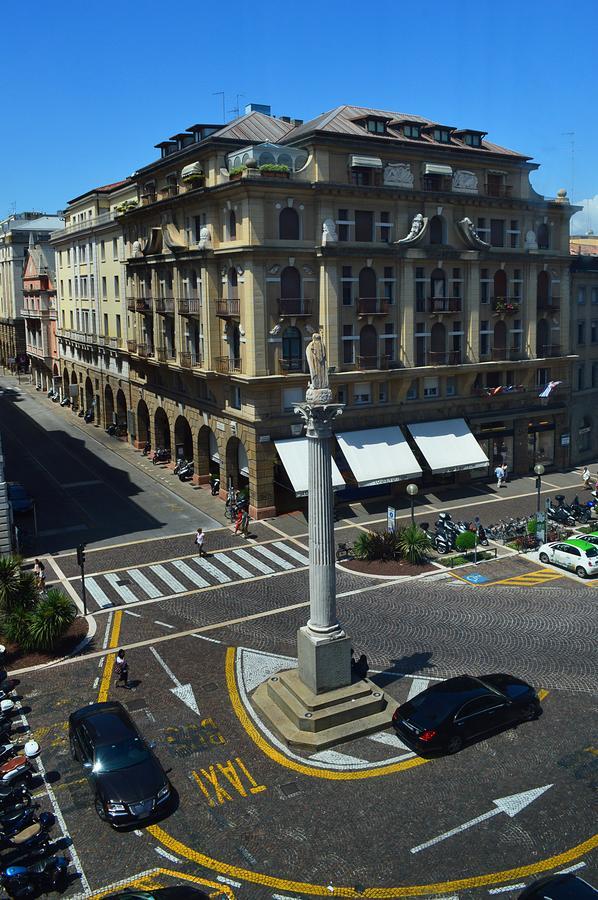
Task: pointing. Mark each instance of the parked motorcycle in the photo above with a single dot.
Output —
(17, 769)
(581, 511)
(161, 455)
(16, 820)
(344, 551)
(14, 795)
(33, 838)
(111, 430)
(65, 401)
(214, 485)
(186, 471)
(180, 463)
(40, 878)
(88, 417)
(559, 514)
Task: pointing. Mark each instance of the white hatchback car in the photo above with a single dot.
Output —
(579, 556)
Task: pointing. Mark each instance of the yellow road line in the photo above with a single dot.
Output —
(527, 574)
(283, 760)
(109, 664)
(377, 893)
(543, 694)
(149, 882)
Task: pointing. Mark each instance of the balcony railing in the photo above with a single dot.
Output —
(445, 304)
(171, 190)
(188, 360)
(506, 353)
(145, 350)
(227, 365)
(101, 219)
(437, 183)
(371, 362)
(499, 390)
(229, 308)
(114, 342)
(132, 346)
(291, 366)
(546, 350)
(372, 306)
(165, 305)
(448, 358)
(146, 199)
(506, 305)
(139, 304)
(498, 190)
(294, 306)
(188, 306)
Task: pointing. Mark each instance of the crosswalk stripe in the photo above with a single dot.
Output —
(97, 593)
(169, 580)
(256, 563)
(290, 551)
(121, 589)
(417, 686)
(391, 740)
(222, 577)
(274, 557)
(193, 576)
(232, 565)
(144, 583)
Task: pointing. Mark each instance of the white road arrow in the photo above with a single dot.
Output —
(509, 805)
(183, 691)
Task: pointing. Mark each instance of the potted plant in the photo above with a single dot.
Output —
(193, 180)
(236, 173)
(273, 170)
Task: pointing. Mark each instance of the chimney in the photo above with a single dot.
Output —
(259, 107)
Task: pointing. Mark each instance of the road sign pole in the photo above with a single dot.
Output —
(83, 592)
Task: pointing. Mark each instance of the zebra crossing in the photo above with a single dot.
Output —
(178, 576)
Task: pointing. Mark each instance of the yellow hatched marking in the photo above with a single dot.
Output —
(149, 882)
(109, 664)
(543, 694)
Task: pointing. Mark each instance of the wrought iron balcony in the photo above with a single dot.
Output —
(140, 304)
(372, 362)
(188, 360)
(372, 306)
(188, 306)
(145, 350)
(228, 308)
(445, 304)
(132, 346)
(295, 307)
(227, 365)
(291, 366)
(506, 305)
(148, 198)
(448, 358)
(165, 305)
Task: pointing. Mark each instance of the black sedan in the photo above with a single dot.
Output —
(128, 781)
(559, 887)
(452, 712)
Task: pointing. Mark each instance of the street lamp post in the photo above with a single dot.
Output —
(413, 491)
(539, 470)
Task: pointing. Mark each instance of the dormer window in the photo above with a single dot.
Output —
(412, 131)
(442, 135)
(376, 126)
(472, 139)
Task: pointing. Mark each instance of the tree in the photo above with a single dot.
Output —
(50, 619)
(18, 589)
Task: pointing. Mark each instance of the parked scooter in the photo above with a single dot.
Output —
(111, 430)
(33, 838)
(66, 401)
(16, 820)
(14, 796)
(559, 514)
(180, 463)
(41, 878)
(214, 485)
(161, 455)
(88, 416)
(186, 471)
(17, 769)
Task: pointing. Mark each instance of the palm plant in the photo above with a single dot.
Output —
(18, 590)
(414, 544)
(51, 618)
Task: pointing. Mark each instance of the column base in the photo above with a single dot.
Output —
(324, 660)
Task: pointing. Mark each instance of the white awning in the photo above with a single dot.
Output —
(378, 455)
(448, 446)
(191, 170)
(293, 455)
(435, 169)
(371, 162)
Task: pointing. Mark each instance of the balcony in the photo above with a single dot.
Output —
(101, 219)
(506, 306)
(145, 350)
(292, 366)
(147, 199)
(547, 350)
(371, 362)
(227, 365)
(188, 360)
(228, 309)
(549, 304)
(188, 306)
(444, 304)
(448, 358)
(115, 343)
(132, 346)
(499, 390)
(372, 306)
(140, 304)
(499, 354)
(498, 190)
(171, 190)
(165, 305)
(437, 183)
(293, 307)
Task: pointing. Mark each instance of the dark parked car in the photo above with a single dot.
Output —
(450, 713)
(128, 782)
(18, 497)
(559, 887)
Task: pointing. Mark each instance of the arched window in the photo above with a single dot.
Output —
(543, 334)
(232, 282)
(368, 348)
(288, 224)
(500, 285)
(290, 283)
(438, 284)
(232, 226)
(543, 236)
(437, 230)
(292, 350)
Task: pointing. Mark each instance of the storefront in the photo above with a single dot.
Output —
(496, 440)
(540, 443)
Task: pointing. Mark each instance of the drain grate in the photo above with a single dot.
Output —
(209, 687)
(290, 788)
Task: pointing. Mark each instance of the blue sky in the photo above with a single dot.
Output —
(96, 86)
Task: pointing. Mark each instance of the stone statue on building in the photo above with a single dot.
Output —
(318, 389)
(137, 250)
(205, 238)
(470, 235)
(418, 229)
(329, 235)
(531, 241)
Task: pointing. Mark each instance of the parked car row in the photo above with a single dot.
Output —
(578, 554)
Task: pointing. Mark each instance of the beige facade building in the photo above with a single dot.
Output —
(584, 342)
(91, 299)
(39, 311)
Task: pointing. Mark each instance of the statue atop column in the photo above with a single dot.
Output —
(318, 390)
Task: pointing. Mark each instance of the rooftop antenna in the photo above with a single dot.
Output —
(221, 94)
(236, 109)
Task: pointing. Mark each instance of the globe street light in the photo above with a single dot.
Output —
(413, 490)
(539, 470)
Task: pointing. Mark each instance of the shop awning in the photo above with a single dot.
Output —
(448, 446)
(436, 169)
(293, 455)
(371, 162)
(378, 455)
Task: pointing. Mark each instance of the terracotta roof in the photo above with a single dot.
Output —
(254, 126)
(344, 120)
(104, 189)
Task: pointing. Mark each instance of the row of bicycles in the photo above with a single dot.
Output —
(26, 867)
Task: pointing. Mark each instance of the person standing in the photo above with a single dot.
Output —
(504, 473)
(40, 574)
(200, 540)
(585, 477)
(121, 669)
(499, 474)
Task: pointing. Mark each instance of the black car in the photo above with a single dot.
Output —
(128, 781)
(559, 887)
(452, 712)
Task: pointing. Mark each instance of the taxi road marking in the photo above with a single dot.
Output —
(148, 881)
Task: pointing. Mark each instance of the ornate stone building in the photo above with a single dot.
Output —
(39, 312)
(436, 274)
(584, 342)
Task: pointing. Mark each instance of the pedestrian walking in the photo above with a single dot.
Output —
(504, 476)
(238, 520)
(244, 522)
(40, 574)
(200, 540)
(499, 473)
(121, 669)
(585, 477)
